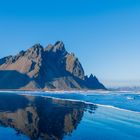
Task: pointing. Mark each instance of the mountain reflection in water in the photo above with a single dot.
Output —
(41, 117)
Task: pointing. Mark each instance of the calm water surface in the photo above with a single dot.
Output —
(38, 116)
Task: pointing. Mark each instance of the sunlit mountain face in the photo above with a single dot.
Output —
(41, 117)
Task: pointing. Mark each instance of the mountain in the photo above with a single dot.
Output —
(49, 68)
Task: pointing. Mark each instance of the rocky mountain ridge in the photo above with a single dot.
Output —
(49, 68)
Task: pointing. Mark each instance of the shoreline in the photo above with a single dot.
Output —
(40, 90)
(70, 91)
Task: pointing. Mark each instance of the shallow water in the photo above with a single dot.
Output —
(25, 117)
(128, 101)
(107, 124)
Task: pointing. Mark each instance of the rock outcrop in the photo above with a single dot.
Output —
(50, 68)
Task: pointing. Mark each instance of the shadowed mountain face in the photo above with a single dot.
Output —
(40, 117)
(12, 79)
(45, 68)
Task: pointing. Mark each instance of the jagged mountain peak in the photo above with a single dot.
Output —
(59, 44)
(36, 48)
(35, 51)
(58, 48)
(45, 68)
(91, 76)
(48, 48)
(93, 82)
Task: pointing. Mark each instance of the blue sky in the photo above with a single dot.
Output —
(104, 34)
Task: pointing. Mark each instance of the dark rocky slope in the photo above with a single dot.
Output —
(45, 68)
